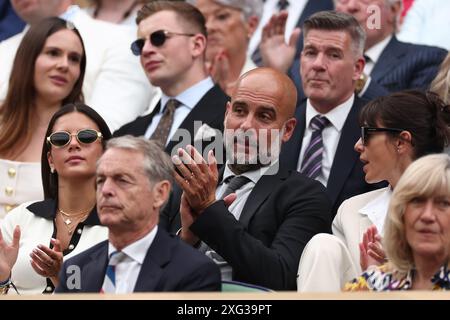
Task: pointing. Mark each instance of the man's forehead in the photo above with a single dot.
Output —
(325, 38)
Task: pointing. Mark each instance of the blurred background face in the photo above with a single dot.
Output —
(427, 226)
(57, 67)
(32, 11)
(227, 29)
(329, 67)
(363, 11)
(169, 63)
(75, 160)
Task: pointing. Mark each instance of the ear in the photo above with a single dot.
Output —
(358, 68)
(50, 159)
(289, 129)
(252, 24)
(198, 45)
(161, 191)
(394, 10)
(403, 144)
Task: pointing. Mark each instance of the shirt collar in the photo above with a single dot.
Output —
(253, 175)
(191, 96)
(138, 249)
(336, 116)
(376, 50)
(71, 13)
(47, 209)
(377, 208)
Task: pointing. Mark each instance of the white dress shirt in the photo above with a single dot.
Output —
(188, 99)
(127, 271)
(374, 54)
(295, 10)
(330, 135)
(376, 210)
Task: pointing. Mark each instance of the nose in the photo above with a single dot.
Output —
(359, 146)
(319, 62)
(428, 212)
(247, 123)
(209, 24)
(74, 144)
(63, 63)
(351, 6)
(106, 189)
(148, 48)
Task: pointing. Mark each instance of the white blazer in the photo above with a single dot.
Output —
(115, 84)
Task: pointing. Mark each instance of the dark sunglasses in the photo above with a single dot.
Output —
(61, 139)
(366, 131)
(157, 39)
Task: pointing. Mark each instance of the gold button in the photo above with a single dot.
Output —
(11, 172)
(8, 208)
(9, 191)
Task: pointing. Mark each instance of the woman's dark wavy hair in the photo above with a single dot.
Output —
(49, 179)
(16, 112)
(421, 113)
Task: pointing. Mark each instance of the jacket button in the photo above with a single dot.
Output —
(9, 191)
(11, 172)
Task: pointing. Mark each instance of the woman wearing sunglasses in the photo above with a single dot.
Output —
(48, 72)
(66, 222)
(395, 130)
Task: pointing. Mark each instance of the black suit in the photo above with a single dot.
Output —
(209, 110)
(346, 175)
(282, 213)
(169, 265)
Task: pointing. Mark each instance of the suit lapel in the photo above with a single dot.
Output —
(260, 193)
(389, 58)
(345, 156)
(290, 151)
(94, 270)
(158, 255)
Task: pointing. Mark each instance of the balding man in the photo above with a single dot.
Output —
(259, 238)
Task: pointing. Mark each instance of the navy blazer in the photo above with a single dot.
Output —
(169, 265)
(281, 214)
(346, 175)
(404, 65)
(209, 110)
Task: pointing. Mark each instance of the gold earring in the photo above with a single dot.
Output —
(52, 170)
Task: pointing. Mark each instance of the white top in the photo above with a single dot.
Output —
(36, 228)
(19, 182)
(129, 21)
(330, 135)
(115, 84)
(188, 99)
(127, 271)
(295, 9)
(374, 54)
(427, 22)
(376, 210)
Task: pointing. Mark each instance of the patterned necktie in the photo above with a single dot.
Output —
(235, 182)
(282, 4)
(161, 132)
(312, 159)
(109, 283)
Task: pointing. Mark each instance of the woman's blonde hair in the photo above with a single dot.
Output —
(441, 84)
(427, 177)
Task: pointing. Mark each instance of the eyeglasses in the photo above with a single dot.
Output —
(61, 139)
(157, 39)
(366, 131)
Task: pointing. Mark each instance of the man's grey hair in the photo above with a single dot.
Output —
(338, 21)
(248, 7)
(157, 164)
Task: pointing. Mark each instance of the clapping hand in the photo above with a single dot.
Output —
(370, 249)
(48, 262)
(8, 254)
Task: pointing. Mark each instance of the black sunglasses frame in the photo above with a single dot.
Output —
(366, 131)
(157, 39)
(98, 135)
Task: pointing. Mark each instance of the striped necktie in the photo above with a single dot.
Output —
(109, 283)
(312, 159)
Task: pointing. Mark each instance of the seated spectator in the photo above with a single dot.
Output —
(10, 23)
(441, 84)
(66, 222)
(230, 24)
(115, 85)
(427, 23)
(396, 130)
(122, 12)
(259, 238)
(133, 182)
(48, 72)
(417, 235)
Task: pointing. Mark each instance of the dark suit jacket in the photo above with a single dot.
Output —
(346, 175)
(407, 66)
(282, 213)
(170, 265)
(209, 110)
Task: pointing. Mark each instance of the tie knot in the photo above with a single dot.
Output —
(116, 257)
(367, 58)
(172, 104)
(318, 123)
(282, 4)
(234, 183)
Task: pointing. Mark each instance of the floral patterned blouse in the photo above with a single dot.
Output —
(381, 278)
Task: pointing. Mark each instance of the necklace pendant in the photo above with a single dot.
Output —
(67, 221)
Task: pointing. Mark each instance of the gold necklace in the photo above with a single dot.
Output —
(69, 216)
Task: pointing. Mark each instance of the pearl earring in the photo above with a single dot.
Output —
(52, 170)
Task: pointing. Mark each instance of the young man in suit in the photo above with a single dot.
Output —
(133, 182)
(327, 122)
(171, 45)
(114, 84)
(393, 64)
(259, 238)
